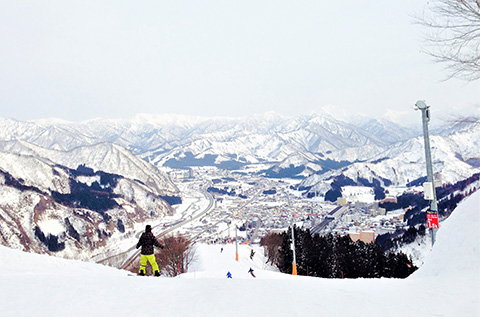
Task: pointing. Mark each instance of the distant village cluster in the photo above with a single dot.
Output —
(257, 205)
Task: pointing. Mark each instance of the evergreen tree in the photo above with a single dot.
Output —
(334, 256)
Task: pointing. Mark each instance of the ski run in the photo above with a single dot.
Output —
(447, 284)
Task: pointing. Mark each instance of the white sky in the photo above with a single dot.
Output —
(78, 60)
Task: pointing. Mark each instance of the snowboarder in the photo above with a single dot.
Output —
(251, 272)
(252, 253)
(229, 275)
(147, 241)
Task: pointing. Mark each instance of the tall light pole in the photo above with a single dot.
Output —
(236, 243)
(429, 187)
(294, 262)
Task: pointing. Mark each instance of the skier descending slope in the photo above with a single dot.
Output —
(147, 241)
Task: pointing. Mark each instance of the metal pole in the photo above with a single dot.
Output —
(428, 157)
(294, 262)
(236, 243)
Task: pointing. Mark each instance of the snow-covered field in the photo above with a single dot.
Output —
(447, 285)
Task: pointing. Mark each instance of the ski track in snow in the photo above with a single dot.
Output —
(447, 285)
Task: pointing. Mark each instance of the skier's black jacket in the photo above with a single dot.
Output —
(147, 241)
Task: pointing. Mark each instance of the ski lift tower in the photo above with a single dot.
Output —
(429, 186)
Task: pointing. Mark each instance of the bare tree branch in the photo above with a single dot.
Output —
(453, 36)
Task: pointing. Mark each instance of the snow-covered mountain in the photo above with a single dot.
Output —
(447, 285)
(106, 157)
(76, 203)
(52, 134)
(306, 146)
(455, 157)
(387, 130)
(269, 137)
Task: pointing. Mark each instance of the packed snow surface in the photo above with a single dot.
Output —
(447, 284)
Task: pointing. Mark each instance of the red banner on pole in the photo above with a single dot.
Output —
(432, 220)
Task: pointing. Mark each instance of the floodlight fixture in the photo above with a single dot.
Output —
(421, 105)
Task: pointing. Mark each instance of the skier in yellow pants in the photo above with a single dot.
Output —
(143, 264)
(147, 241)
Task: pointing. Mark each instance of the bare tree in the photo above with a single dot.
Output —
(453, 36)
(272, 243)
(175, 258)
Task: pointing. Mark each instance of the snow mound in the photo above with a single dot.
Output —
(457, 249)
(19, 263)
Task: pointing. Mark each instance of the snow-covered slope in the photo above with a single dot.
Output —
(387, 130)
(48, 208)
(457, 248)
(36, 171)
(447, 285)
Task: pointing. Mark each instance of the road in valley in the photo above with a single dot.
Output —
(130, 258)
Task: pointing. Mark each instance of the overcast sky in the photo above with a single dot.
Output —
(79, 60)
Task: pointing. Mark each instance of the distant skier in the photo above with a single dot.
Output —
(252, 253)
(221, 250)
(229, 275)
(251, 272)
(147, 241)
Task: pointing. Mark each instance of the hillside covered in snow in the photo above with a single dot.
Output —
(448, 284)
(78, 203)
